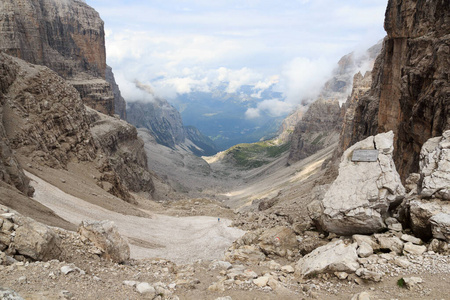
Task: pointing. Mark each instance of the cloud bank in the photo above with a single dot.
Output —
(183, 46)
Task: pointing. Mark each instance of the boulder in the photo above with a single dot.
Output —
(245, 254)
(391, 243)
(435, 167)
(410, 248)
(420, 213)
(440, 226)
(365, 250)
(359, 199)
(105, 236)
(35, 240)
(278, 241)
(333, 257)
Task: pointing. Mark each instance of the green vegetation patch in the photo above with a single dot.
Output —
(249, 156)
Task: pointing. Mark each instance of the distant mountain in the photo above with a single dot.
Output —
(165, 123)
(221, 115)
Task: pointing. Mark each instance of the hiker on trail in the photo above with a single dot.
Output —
(218, 219)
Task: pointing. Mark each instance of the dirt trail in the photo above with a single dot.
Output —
(182, 240)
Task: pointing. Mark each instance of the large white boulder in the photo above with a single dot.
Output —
(359, 198)
(333, 257)
(435, 167)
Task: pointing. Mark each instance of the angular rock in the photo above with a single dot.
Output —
(36, 240)
(278, 241)
(410, 282)
(439, 246)
(364, 250)
(104, 235)
(435, 167)
(333, 257)
(245, 254)
(145, 288)
(369, 275)
(360, 239)
(261, 281)
(410, 248)
(412, 239)
(341, 275)
(402, 262)
(420, 212)
(358, 200)
(288, 269)
(391, 243)
(440, 226)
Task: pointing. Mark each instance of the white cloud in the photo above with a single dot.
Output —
(273, 107)
(181, 46)
(302, 78)
(252, 113)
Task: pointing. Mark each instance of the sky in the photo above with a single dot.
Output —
(195, 45)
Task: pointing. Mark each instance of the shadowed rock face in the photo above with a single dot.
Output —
(66, 36)
(120, 106)
(410, 92)
(10, 170)
(318, 128)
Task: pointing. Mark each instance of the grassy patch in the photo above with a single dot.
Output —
(401, 283)
(254, 155)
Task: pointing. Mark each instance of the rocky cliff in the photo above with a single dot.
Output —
(124, 151)
(10, 170)
(410, 92)
(318, 128)
(120, 106)
(46, 124)
(161, 118)
(164, 122)
(66, 36)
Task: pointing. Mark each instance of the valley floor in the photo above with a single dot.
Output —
(177, 246)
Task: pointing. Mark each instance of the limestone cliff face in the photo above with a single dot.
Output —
(361, 85)
(10, 170)
(124, 151)
(161, 118)
(165, 124)
(46, 123)
(337, 88)
(410, 92)
(66, 36)
(120, 106)
(318, 128)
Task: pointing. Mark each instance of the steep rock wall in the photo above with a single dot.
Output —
(46, 122)
(66, 36)
(410, 92)
(120, 106)
(318, 128)
(10, 170)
